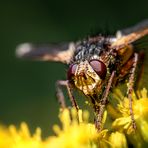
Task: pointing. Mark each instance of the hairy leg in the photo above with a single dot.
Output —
(60, 94)
(104, 102)
(131, 87)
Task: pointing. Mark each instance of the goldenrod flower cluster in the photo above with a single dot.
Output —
(77, 131)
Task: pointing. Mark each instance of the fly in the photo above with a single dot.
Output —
(96, 65)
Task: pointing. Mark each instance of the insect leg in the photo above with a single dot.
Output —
(140, 65)
(130, 88)
(60, 95)
(104, 102)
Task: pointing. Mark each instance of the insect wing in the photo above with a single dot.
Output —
(138, 37)
(46, 52)
(131, 34)
(137, 27)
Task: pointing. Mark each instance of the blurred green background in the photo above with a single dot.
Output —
(27, 89)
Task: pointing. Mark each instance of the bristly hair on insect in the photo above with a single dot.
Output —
(96, 65)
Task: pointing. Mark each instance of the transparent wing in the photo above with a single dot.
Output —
(46, 52)
(138, 37)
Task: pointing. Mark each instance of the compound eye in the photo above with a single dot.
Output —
(99, 67)
(71, 71)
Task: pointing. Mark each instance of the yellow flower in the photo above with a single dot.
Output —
(118, 140)
(13, 138)
(140, 111)
(77, 132)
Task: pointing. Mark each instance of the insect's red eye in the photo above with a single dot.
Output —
(71, 71)
(99, 67)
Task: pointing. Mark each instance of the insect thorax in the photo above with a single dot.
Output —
(91, 48)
